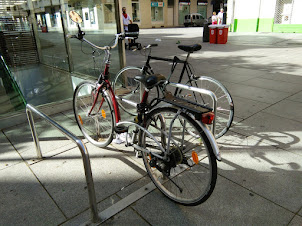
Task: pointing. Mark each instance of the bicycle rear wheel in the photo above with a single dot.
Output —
(189, 175)
(97, 127)
(225, 105)
(125, 87)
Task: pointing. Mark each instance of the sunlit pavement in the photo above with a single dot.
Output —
(260, 178)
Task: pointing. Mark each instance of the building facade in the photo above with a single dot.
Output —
(265, 16)
(168, 13)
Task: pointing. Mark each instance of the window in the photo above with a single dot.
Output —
(170, 3)
(157, 10)
(135, 11)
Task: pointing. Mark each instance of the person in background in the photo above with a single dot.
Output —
(126, 19)
(220, 16)
(214, 18)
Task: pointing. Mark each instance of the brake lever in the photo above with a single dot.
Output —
(81, 33)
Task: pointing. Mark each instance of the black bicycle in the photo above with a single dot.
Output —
(127, 88)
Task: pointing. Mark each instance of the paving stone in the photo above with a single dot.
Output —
(23, 199)
(244, 107)
(258, 167)
(230, 204)
(256, 93)
(297, 97)
(50, 138)
(63, 176)
(8, 155)
(297, 221)
(228, 77)
(135, 186)
(274, 130)
(252, 73)
(287, 109)
(127, 216)
(273, 85)
(295, 79)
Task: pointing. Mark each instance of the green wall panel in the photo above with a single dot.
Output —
(265, 25)
(288, 28)
(246, 25)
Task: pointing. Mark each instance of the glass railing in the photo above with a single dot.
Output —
(11, 97)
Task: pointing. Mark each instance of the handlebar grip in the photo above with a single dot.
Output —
(71, 36)
(153, 45)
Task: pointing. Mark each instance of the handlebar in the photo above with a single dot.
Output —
(146, 47)
(81, 34)
(151, 45)
(117, 37)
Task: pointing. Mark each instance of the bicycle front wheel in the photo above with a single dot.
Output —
(188, 175)
(225, 105)
(125, 87)
(96, 124)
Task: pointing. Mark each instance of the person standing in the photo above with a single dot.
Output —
(220, 16)
(126, 19)
(214, 18)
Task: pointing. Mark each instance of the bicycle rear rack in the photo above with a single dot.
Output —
(202, 91)
(81, 146)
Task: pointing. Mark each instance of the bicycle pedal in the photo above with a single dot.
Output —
(138, 154)
(121, 129)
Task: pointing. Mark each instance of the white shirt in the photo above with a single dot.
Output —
(220, 17)
(126, 21)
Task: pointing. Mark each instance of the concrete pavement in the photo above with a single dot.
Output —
(260, 178)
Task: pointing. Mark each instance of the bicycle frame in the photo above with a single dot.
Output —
(186, 67)
(106, 84)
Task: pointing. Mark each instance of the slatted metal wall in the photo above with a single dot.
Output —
(18, 45)
(283, 12)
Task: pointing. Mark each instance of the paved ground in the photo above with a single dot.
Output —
(260, 178)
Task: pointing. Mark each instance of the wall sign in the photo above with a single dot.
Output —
(157, 4)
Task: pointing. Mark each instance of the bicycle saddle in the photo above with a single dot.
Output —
(190, 48)
(151, 80)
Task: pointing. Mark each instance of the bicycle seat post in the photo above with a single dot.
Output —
(188, 56)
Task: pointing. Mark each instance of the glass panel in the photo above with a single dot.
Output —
(28, 35)
(99, 25)
(184, 9)
(33, 46)
(10, 95)
(135, 11)
(202, 9)
(157, 13)
(50, 33)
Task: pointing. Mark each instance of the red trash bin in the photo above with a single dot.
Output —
(220, 35)
(44, 28)
(213, 34)
(226, 33)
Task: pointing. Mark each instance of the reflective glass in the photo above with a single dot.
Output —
(99, 25)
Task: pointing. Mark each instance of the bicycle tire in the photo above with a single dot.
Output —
(196, 179)
(126, 87)
(98, 127)
(225, 105)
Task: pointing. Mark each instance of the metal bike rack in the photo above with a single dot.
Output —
(81, 146)
(202, 91)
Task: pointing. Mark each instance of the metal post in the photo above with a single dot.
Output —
(34, 133)
(81, 146)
